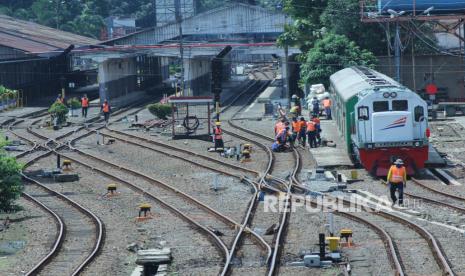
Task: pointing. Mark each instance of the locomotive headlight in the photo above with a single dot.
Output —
(393, 94)
(370, 146)
(386, 95)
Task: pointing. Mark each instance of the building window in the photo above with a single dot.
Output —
(419, 113)
(400, 105)
(380, 106)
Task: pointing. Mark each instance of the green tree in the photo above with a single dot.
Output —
(330, 54)
(307, 26)
(343, 17)
(59, 111)
(11, 185)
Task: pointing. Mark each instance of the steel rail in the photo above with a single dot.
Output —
(100, 229)
(287, 204)
(434, 245)
(423, 185)
(58, 239)
(390, 248)
(251, 206)
(216, 240)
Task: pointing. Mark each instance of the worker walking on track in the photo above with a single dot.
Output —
(84, 105)
(106, 109)
(327, 106)
(311, 133)
(218, 136)
(397, 180)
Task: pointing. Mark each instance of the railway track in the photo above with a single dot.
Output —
(68, 253)
(80, 233)
(181, 212)
(395, 259)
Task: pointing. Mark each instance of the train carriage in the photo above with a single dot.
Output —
(380, 119)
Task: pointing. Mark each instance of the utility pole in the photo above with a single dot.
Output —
(397, 51)
(177, 9)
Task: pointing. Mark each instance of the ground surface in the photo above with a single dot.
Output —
(32, 231)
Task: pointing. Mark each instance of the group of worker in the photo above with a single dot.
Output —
(298, 130)
(105, 108)
(326, 107)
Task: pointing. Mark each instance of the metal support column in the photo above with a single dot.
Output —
(397, 51)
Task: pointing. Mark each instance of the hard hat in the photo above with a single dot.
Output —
(399, 162)
(218, 123)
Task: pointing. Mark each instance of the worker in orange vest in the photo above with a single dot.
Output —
(302, 137)
(279, 126)
(106, 109)
(84, 105)
(218, 136)
(311, 133)
(317, 122)
(296, 127)
(327, 106)
(397, 180)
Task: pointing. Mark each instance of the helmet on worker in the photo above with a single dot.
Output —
(399, 163)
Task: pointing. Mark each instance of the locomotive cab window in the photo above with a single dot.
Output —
(400, 105)
(419, 113)
(380, 106)
(363, 113)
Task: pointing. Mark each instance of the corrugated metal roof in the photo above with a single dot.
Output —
(34, 38)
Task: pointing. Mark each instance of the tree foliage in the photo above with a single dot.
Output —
(59, 111)
(10, 180)
(330, 54)
(343, 17)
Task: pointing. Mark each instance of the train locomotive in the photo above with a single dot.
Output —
(380, 119)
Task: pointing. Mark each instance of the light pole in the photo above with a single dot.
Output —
(58, 2)
(397, 42)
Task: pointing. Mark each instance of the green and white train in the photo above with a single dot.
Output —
(380, 119)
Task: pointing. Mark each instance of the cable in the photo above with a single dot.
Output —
(194, 127)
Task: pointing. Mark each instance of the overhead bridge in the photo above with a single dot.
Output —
(145, 55)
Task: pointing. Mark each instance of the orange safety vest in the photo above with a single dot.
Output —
(106, 108)
(278, 127)
(296, 126)
(218, 133)
(85, 102)
(303, 124)
(397, 174)
(316, 121)
(327, 103)
(311, 126)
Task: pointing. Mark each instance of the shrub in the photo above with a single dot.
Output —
(74, 103)
(58, 110)
(160, 110)
(11, 185)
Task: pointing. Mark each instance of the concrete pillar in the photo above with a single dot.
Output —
(197, 74)
(284, 75)
(117, 77)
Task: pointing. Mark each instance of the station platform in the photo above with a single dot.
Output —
(331, 157)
